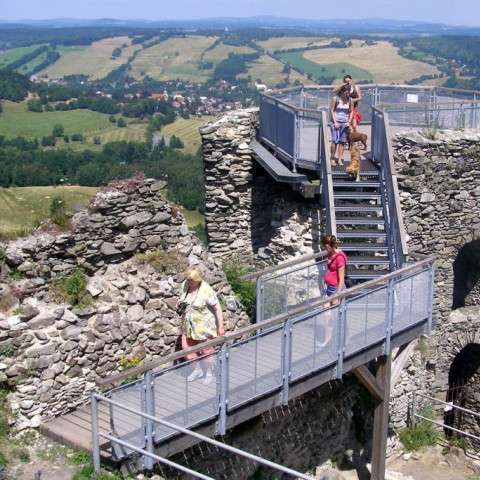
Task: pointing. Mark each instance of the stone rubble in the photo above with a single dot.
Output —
(52, 353)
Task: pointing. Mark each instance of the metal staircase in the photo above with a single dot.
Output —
(360, 222)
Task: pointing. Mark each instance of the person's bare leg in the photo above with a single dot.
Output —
(341, 149)
(333, 149)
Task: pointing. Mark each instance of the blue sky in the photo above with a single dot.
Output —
(460, 12)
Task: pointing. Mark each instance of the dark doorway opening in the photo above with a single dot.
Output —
(464, 391)
(466, 272)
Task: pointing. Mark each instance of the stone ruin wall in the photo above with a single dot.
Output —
(50, 353)
(439, 183)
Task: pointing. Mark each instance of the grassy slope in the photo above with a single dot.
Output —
(94, 60)
(187, 131)
(29, 66)
(285, 43)
(382, 61)
(270, 71)
(297, 60)
(16, 120)
(174, 58)
(9, 56)
(21, 209)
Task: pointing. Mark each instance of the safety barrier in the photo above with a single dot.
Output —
(270, 356)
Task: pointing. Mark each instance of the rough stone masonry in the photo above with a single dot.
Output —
(439, 181)
(51, 353)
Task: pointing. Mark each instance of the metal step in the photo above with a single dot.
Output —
(358, 208)
(367, 233)
(363, 247)
(353, 184)
(355, 274)
(344, 174)
(346, 220)
(367, 260)
(356, 195)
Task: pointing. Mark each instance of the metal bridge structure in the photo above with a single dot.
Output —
(301, 340)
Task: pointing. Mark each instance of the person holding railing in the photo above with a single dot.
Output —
(341, 110)
(355, 94)
(202, 320)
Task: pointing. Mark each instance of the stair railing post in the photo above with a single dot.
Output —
(342, 310)
(222, 389)
(431, 283)
(414, 409)
(389, 315)
(259, 300)
(296, 140)
(286, 360)
(149, 408)
(95, 439)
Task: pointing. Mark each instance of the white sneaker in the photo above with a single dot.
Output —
(197, 373)
(208, 378)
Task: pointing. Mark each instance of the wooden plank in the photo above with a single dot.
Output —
(380, 421)
(401, 360)
(369, 382)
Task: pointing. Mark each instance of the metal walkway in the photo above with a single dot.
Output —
(300, 344)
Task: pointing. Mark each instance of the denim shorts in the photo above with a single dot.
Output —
(339, 135)
(331, 290)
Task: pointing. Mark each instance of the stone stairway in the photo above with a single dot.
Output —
(360, 222)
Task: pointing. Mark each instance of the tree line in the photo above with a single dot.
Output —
(22, 163)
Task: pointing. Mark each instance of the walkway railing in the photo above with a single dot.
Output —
(150, 457)
(269, 357)
(289, 118)
(455, 115)
(444, 408)
(382, 155)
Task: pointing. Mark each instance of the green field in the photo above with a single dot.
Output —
(29, 66)
(94, 61)
(22, 209)
(269, 71)
(187, 131)
(9, 56)
(178, 57)
(16, 121)
(286, 43)
(316, 70)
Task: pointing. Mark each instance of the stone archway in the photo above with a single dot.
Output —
(459, 368)
(466, 274)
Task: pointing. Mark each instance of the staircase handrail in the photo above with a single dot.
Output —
(284, 265)
(266, 324)
(326, 175)
(396, 234)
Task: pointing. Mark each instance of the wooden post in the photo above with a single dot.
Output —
(380, 422)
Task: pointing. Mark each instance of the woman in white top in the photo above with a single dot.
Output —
(341, 110)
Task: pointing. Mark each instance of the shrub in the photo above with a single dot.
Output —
(121, 123)
(163, 261)
(72, 289)
(200, 233)
(49, 141)
(58, 131)
(77, 137)
(244, 290)
(422, 434)
(58, 212)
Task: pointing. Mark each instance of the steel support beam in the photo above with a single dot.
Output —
(380, 422)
